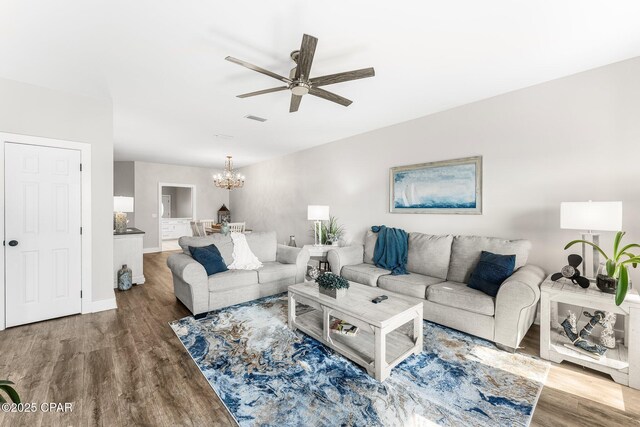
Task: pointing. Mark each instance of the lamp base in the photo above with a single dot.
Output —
(120, 222)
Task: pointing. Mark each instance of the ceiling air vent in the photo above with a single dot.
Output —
(256, 118)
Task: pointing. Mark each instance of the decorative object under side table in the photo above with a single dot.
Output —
(621, 363)
(319, 254)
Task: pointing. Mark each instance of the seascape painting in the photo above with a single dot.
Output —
(452, 186)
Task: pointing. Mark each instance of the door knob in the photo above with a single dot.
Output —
(13, 243)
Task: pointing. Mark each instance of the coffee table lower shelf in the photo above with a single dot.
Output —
(375, 349)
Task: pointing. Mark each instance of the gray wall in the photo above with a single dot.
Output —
(183, 203)
(572, 139)
(123, 184)
(147, 177)
(32, 110)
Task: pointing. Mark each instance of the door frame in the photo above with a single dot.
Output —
(159, 207)
(85, 213)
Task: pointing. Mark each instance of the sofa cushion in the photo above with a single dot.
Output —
(366, 274)
(412, 284)
(370, 240)
(232, 279)
(222, 242)
(466, 250)
(429, 255)
(491, 271)
(272, 271)
(210, 258)
(458, 295)
(263, 244)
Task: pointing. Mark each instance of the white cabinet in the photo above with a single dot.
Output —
(173, 228)
(127, 249)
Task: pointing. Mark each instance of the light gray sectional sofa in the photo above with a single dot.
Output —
(282, 266)
(439, 268)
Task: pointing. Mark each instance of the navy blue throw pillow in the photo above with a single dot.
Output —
(210, 258)
(491, 271)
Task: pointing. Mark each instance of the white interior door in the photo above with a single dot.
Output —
(42, 233)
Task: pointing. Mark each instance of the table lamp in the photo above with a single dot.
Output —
(589, 217)
(317, 214)
(121, 205)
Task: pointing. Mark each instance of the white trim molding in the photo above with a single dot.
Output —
(151, 250)
(86, 239)
(104, 305)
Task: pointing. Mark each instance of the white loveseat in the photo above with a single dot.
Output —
(440, 266)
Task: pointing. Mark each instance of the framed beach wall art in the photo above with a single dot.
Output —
(447, 187)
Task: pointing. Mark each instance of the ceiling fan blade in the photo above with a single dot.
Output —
(305, 57)
(343, 77)
(262, 92)
(321, 93)
(258, 69)
(295, 103)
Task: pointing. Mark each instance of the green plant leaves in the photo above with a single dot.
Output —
(611, 267)
(10, 391)
(623, 285)
(573, 242)
(616, 244)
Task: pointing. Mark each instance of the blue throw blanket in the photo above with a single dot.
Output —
(391, 249)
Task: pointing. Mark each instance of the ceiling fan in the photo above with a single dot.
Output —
(299, 81)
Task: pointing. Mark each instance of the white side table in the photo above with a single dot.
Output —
(621, 363)
(319, 253)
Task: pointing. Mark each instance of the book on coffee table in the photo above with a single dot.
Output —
(344, 328)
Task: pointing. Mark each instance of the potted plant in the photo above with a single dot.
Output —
(332, 232)
(7, 387)
(616, 279)
(332, 285)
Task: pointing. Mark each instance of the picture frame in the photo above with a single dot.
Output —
(443, 187)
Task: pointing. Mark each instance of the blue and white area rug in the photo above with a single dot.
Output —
(268, 375)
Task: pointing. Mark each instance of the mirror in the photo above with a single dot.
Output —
(176, 202)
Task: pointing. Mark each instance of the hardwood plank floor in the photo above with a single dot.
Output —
(126, 367)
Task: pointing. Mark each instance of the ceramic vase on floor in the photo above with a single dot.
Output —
(124, 278)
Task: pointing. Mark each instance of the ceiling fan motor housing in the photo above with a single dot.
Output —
(299, 88)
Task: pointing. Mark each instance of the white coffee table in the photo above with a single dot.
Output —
(379, 344)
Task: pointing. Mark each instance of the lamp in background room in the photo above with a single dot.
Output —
(121, 205)
(590, 217)
(317, 214)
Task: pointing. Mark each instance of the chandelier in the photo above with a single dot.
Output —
(228, 179)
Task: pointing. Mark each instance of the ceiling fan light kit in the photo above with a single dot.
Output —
(299, 81)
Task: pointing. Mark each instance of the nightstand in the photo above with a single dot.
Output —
(621, 363)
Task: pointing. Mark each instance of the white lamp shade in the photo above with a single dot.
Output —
(318, 213)
(122, 204)
(598, 216)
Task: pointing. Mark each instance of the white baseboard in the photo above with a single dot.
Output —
(151, 250)
(103, 305)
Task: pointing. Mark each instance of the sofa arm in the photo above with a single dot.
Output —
(298, 256)
(516, 305)
(190, 282)
(346, 255)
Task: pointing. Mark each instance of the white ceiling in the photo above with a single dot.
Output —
(162, 63)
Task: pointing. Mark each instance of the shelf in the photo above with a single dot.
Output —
(616, 359)
(361, 344)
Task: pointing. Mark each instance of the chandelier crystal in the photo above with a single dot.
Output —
(228, 179)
